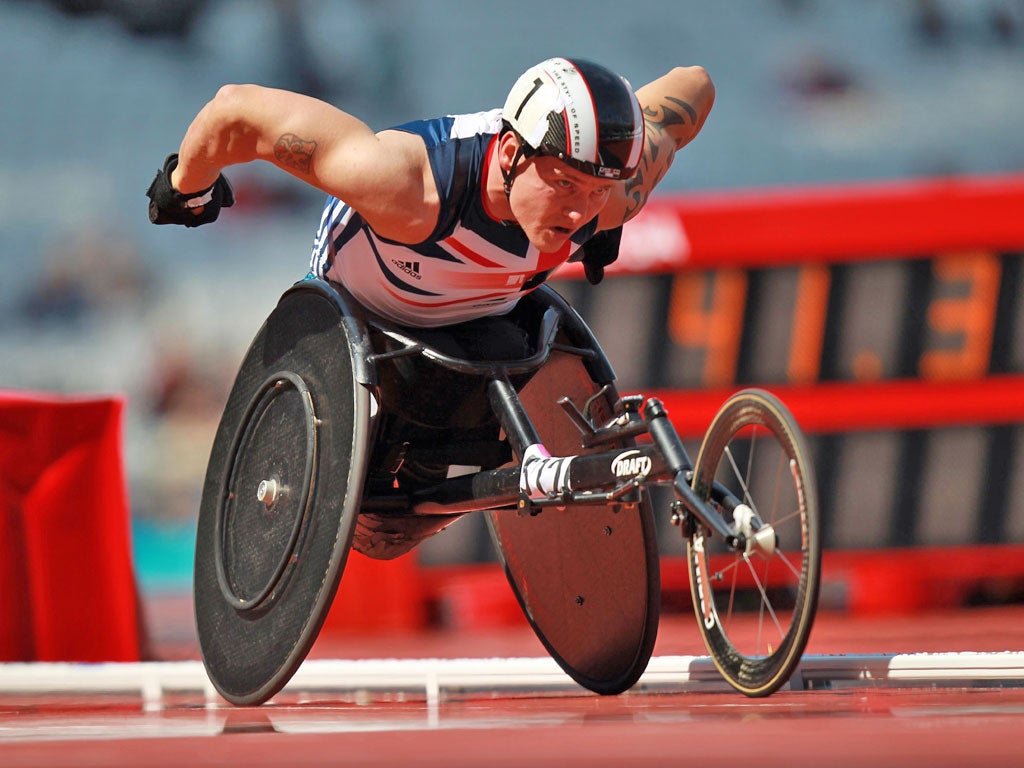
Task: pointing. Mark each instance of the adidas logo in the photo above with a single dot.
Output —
(411, 268)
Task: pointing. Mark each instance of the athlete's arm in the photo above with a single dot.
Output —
(385, 176)
(675, 107)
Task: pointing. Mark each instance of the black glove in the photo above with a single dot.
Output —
(600, 251)
(168, 206)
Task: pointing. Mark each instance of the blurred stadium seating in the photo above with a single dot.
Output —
(95, 300)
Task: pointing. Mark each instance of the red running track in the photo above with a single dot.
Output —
(859, 724)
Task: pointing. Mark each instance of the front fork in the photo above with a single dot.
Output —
(672, 449)
(747, 534)
(552, 481)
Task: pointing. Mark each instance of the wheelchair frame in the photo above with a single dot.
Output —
(610, 470)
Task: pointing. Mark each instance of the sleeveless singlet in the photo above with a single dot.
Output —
(471, 265)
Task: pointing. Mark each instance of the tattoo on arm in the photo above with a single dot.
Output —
(686, 107)
(653, 166)
(636, 191)
(293, 152)
(665, 117)
(655, 163)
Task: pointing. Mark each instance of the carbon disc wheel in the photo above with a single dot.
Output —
(281, 496)
(587, 577)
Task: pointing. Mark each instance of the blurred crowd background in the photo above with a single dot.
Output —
(96, 93)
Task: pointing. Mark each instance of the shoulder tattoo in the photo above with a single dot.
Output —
(664, 116)
(656, 160)
(294, 152)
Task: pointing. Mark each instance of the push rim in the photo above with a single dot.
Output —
(276, 387)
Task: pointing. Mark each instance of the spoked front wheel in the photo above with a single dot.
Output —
(755, 605)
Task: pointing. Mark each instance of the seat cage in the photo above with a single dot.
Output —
(559, 328)
(410, 345)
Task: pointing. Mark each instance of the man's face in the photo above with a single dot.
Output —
(551, 200)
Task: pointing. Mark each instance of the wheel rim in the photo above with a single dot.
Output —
(755, 607)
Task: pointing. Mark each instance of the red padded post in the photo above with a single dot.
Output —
(66, 575)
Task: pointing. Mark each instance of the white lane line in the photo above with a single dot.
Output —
(154, 681)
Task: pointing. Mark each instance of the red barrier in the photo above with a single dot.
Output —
(377, 596)
(859, 582)
(809, 225)
(902, 581)
(67, 587)
(855, 407)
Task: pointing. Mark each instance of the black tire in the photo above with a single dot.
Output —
(268, 561)
(755, 608)
(587, 577)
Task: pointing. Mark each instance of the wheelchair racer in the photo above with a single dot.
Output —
(441, 221)
(444, 224)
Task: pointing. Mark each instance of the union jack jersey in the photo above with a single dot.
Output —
(472, 265)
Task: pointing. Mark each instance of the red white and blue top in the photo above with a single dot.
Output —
(470, 266)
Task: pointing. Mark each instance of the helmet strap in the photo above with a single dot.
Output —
(510, 175)
(523, 150)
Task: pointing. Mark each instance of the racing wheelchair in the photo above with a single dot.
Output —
(344, 430)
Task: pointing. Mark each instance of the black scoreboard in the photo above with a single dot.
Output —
(889, 318)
